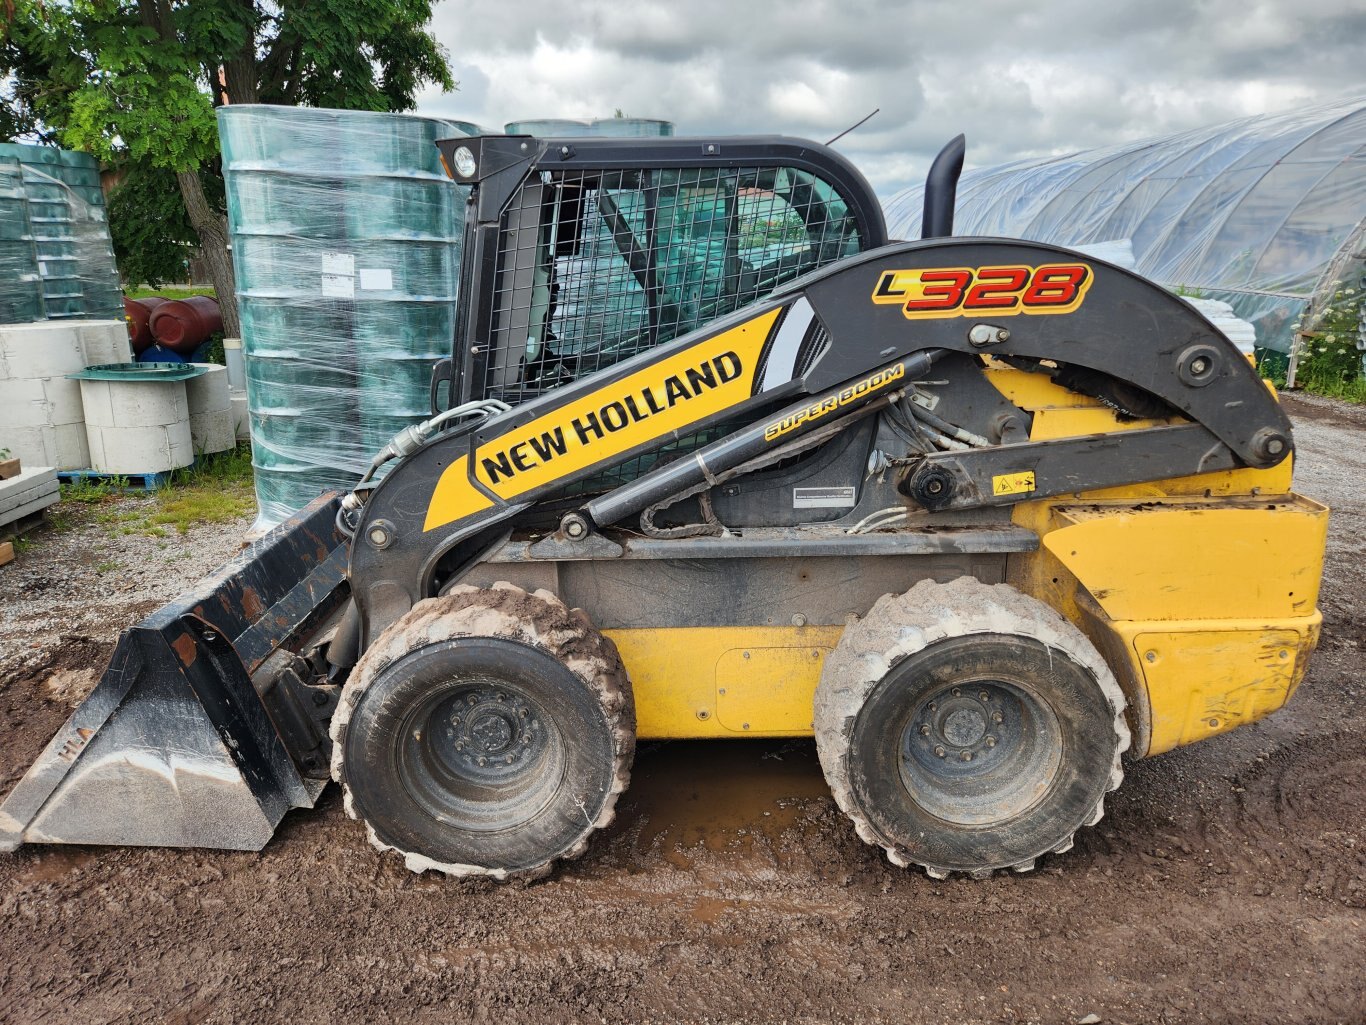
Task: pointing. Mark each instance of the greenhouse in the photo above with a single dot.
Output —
(1265, 213)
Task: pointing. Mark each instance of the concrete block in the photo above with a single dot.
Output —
(146, 449)
(134, 403)
(211, 416)
(241, 417)
(29, 486)
(45, 349)
(105, 341)
(63, 447)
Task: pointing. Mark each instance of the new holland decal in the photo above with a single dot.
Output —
(1000, 291)
(670, 395)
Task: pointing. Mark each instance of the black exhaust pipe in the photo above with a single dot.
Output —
(941, 190)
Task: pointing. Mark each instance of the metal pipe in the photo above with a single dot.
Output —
(740, 447)
(941, 190)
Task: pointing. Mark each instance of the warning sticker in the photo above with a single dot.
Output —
(1013, 483)
(824, 498)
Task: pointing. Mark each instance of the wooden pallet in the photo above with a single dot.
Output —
(16, 528)
(29, 492)
(127, 481)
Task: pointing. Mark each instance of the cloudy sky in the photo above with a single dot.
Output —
(1021, 79)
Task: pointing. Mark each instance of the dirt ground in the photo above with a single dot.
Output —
(1227, 882)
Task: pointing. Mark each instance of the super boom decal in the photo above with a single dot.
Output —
(999, 291)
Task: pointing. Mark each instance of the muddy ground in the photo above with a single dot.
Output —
(1227, 882)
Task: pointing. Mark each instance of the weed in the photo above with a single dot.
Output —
(107, 567)
(1330, 362)
(94, 490)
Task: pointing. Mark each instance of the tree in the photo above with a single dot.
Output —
(138, 80)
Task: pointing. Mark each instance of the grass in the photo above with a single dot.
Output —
(166, 291)
(216, 489)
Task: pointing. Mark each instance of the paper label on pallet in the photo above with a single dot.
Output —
(339, 286)
(376, 279)
(42, 269)
(339, 263)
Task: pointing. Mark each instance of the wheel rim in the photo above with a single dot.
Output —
(481, 755)
(980, 752)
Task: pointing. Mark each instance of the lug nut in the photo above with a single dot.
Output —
(483, 761)
(966, 756)
(956, 692)
(990, 741)
(939, 752)
(984, 697)
(924, 729)
(997, 717)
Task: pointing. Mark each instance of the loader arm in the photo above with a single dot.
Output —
(833, 343)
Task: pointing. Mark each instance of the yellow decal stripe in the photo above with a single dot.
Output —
(670, 395)
(455, 497)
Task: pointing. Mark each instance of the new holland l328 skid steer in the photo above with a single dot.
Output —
(713, 458)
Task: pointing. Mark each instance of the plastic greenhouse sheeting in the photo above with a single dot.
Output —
(346, 239)
(1263, 213)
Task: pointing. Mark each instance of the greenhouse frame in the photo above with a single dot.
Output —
(1267, 213)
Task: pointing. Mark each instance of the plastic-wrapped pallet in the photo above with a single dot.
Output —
(42, 420)
(75, 257)
(21, 288)
(346, 241)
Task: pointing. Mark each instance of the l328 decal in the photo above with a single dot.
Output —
(937, 292)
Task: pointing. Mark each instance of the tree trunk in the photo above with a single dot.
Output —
(212, 229)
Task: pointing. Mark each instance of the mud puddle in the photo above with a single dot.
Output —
(717, 796)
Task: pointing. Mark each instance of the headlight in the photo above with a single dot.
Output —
(464, 162)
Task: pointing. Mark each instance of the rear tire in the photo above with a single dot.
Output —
(487, 732)
(966, 727)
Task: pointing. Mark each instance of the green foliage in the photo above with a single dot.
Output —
(1330, 362)
(152, 235)
(136, 82)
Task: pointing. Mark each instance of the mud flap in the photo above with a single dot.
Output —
(174, 747)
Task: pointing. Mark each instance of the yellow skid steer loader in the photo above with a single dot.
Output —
(713, 458)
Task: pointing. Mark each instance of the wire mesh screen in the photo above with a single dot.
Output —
(597, 266)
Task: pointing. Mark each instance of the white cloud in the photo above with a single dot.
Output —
(1019, 80)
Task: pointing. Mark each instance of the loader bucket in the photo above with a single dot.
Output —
(174, 747)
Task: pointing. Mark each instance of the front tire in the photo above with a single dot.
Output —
(966, 727)
(487, 732)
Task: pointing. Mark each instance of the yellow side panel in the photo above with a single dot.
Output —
(725, 681)
(1216, 560)
(1210, 677)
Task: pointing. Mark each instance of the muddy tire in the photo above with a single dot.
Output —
(487, 732)
(966, 727)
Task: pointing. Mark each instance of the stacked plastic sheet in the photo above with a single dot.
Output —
(346, 238)
(53, 226)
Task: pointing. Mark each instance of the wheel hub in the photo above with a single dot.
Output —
(489, 735)
(979, 751)
(965, 724)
